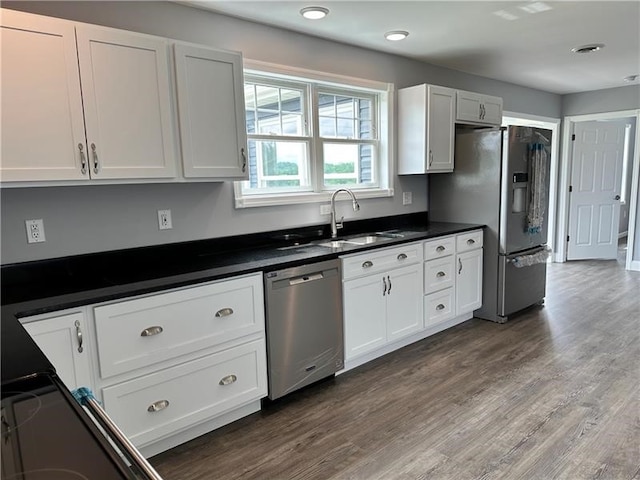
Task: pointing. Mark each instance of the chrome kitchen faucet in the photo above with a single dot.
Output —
(335, 225)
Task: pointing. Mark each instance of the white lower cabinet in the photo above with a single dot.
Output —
(174, 365)
(171, 399)
(385, 305)
(396, 296)
(63, 339)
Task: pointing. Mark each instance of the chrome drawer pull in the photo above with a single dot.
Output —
(150, 331)
(389, 281)
(440, 274)
(459, 266)
(402, 256)
(157, 406)
(224, 312)
(78, 335)
(367, 264)
(228, 380)
(440, 248)
(471, 241)
(440, 307)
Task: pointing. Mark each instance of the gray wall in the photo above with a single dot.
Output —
(86, 219)
(601, 101)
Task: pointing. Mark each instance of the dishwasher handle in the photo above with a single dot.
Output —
(309, 277)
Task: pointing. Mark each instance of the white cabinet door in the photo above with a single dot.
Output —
(468, 281)
(210, 91)
(468, 106)
(404, 301)
(492, 107)
(127, 104)
(425, 129)
(42, 122)
(364, 315)
(63, 341)
(440, 129)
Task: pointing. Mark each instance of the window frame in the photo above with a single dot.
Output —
(335, 85)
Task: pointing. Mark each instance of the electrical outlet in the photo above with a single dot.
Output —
(164, 220)
(325, 209)
(35, 231)
(407, 198)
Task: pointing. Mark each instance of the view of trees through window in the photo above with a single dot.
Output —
(285, 140)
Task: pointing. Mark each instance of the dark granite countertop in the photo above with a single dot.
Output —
(32, 288)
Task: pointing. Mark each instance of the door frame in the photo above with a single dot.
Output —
(565, 180)
(553, 124)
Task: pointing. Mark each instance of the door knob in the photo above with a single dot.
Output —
(617, 197)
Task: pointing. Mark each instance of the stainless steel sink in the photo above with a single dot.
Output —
(360, 240)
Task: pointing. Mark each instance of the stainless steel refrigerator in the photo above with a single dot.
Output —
(501, 180)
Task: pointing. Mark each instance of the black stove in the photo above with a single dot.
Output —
(46, 435)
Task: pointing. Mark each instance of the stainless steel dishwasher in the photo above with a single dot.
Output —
(305, 339)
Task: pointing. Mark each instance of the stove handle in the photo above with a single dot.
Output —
(84, 397)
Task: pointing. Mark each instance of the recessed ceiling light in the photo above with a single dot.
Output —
(630, 78)
(396, 35)
(314, 13)
(594, 47)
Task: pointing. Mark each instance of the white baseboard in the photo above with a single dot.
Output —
(635, 265)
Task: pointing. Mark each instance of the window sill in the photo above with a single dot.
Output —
(271, 200)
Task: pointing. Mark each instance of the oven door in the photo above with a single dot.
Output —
(46, 434)
(520, 286)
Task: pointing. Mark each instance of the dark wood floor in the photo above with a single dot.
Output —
(551, 394)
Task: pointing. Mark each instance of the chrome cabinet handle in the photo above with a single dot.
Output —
(157, 406)
(151, 331)
(224, 312)
(471, 241)
(402, 256)
(384, 283)
(430, 157)
(440, 307)
(440, 274)
(459, 266)
(96, 165)
(244, 160)
(440, 248)
(617, 197)
(389, 281)
(79, 335)
(367, 264)
(83, 159)
(228, 380)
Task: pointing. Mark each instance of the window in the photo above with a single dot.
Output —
(308, 136)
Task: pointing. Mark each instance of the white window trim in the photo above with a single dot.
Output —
(385, 126)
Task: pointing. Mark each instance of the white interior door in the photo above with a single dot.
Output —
(594, 200)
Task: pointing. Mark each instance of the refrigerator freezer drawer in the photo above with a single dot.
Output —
(519, 287)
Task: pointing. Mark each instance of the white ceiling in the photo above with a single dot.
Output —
(533, 50)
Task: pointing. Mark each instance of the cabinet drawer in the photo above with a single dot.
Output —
(438, 274)
(439, 247)
(162, 403)
(439, 306)
(379, 260)
(468, 241)
(148, 330)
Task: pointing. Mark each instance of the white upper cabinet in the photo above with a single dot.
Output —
(475, 108)
(59, 78)
(426, 129)
(43, 134)
(210, 92)
(127, 104)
